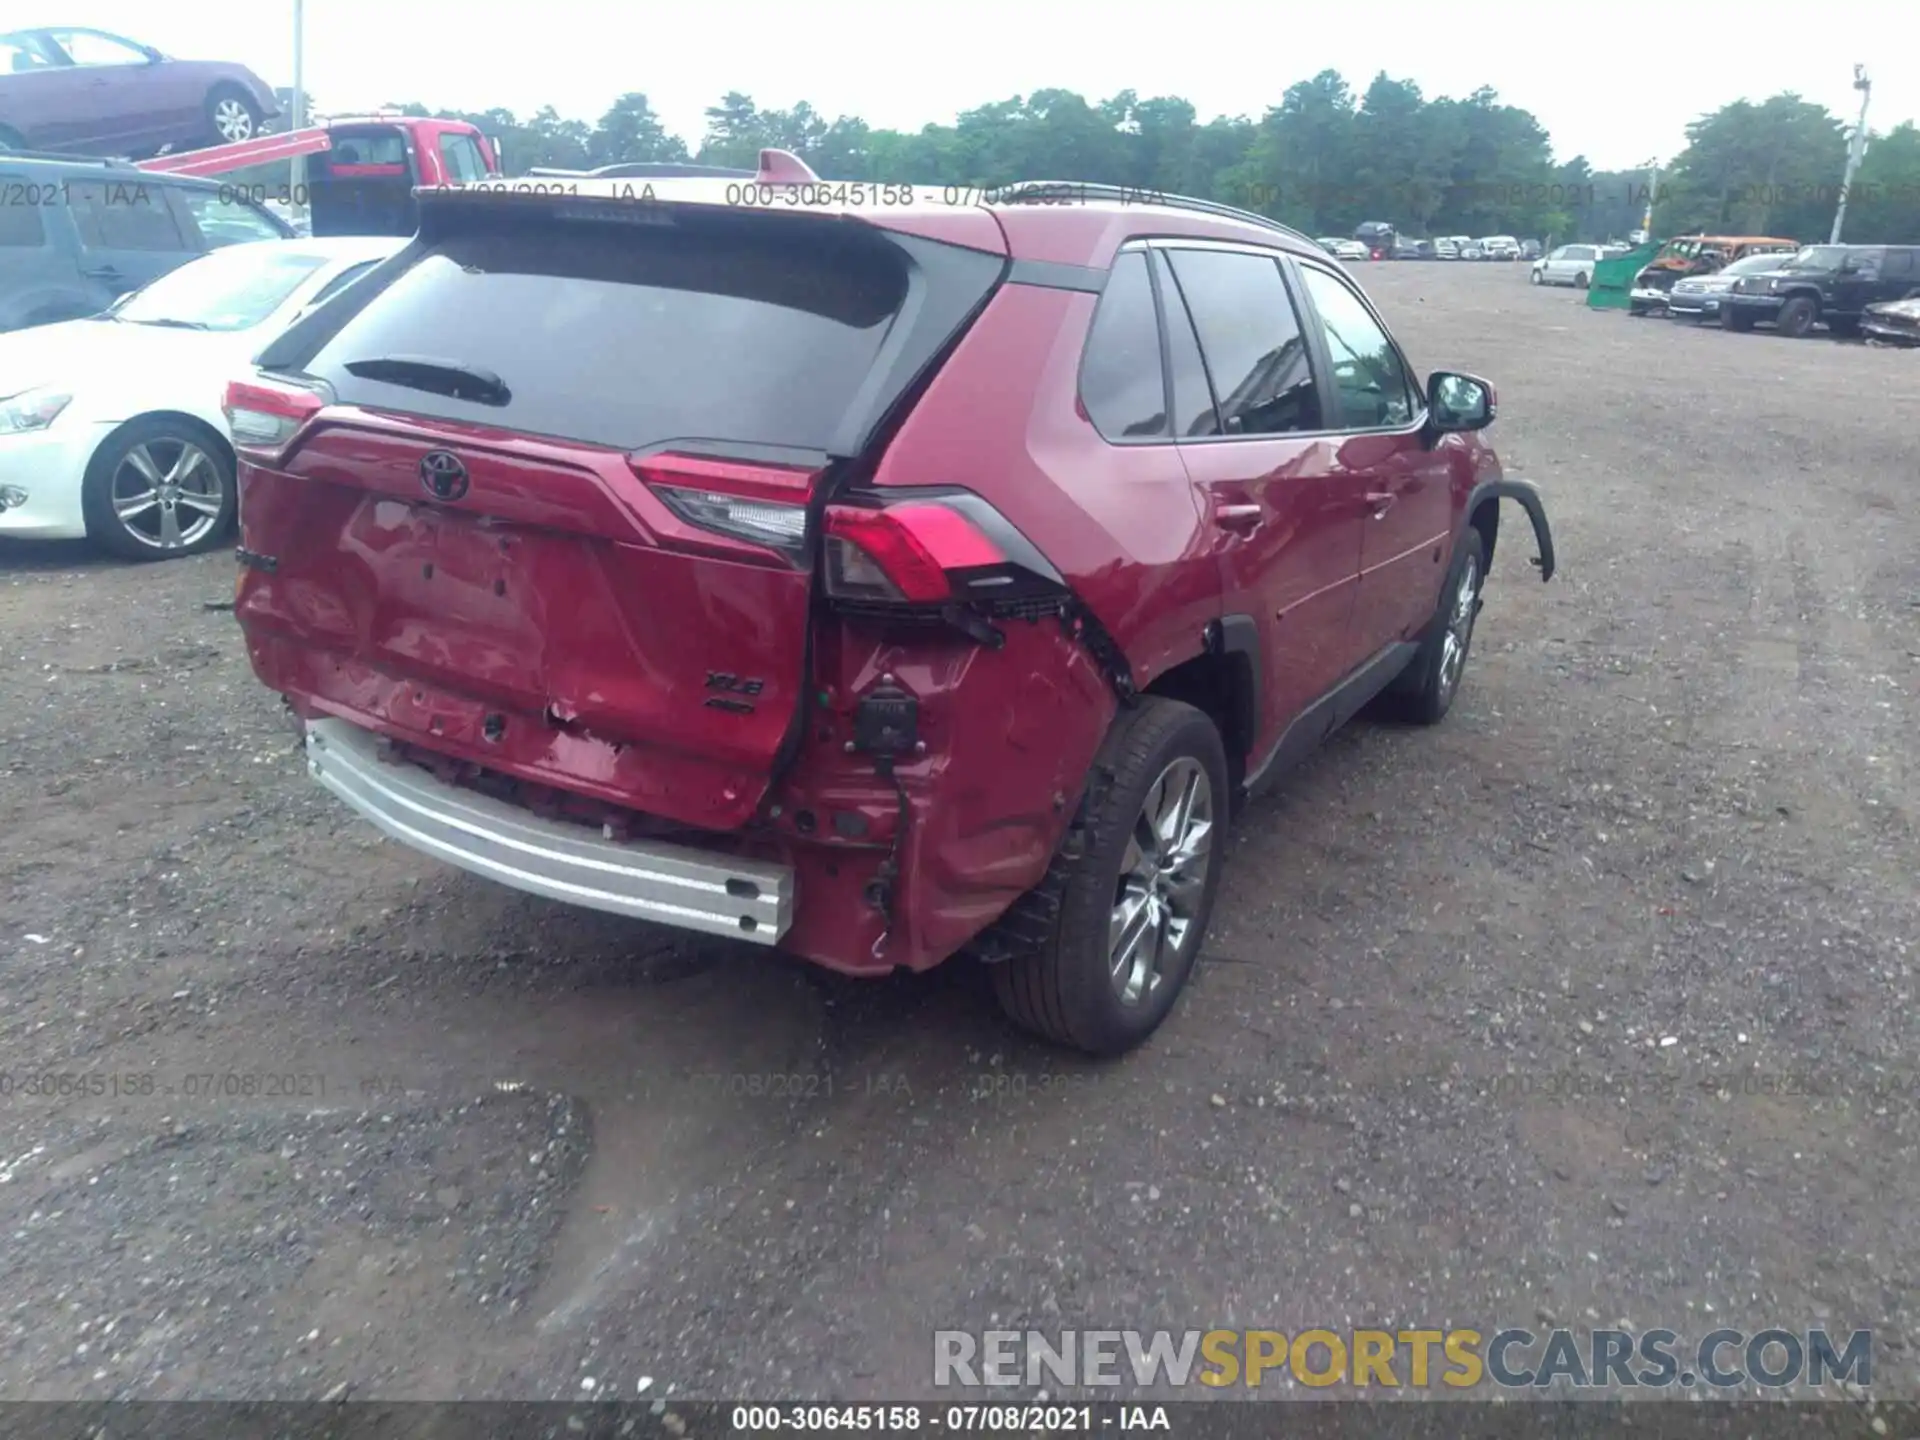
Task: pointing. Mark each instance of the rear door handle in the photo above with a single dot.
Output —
(1380, 502)
(1241, 519)
(102, 272)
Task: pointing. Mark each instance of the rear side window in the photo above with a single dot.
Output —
(1251, 340)
(20, 205)
(1121, 380)
(377, 149)
(123, 215)
(754, 328)
(1900, 262)
(462, 158)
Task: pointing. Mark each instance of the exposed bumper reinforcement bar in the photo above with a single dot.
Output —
(670, 884)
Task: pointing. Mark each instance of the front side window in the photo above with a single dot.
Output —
(90, 47)
(1370, 385)
(1250, 339)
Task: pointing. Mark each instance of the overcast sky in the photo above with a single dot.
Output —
(903, 65)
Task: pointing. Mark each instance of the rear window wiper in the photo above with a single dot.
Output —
(438, 377)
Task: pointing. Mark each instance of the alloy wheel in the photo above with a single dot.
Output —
(232, 119)
(1459, 632)
(167, 494)
(1163, 879)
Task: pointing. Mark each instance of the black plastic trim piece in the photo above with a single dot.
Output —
(254, 561)
(1239, 636)
(1526, 495)
(1053, 275)
(1330, 712)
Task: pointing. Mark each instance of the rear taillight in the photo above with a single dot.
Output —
(263, 417)
(762, 505)
(931, 548)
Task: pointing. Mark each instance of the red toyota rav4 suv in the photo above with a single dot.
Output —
(879, 581)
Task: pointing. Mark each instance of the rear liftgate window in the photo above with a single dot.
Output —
(758, 329)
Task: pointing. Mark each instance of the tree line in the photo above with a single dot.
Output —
(1324, 159)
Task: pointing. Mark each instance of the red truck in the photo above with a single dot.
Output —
(361, 171)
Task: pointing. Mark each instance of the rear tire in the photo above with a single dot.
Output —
(231, 115)
(1426, 688)
(1580, 281)
(1797, 317)
(1732, 319)
(159, 489)
(1845, 325)
(1134, 884)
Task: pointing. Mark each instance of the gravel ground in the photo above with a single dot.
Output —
(1591, 1005)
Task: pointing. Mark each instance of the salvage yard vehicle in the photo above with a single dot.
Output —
(1896, 322)
(88, 92)
(1019, 542)
(111, 427)
(1698, 297)
(1691, 256)
(1823, 284)
(1566, 265)
(76, 234)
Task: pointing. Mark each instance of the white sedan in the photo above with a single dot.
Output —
(111, 428)
(1351, 250)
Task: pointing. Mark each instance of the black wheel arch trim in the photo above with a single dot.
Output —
(1526, 495)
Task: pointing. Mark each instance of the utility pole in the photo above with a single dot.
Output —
(1856, 148)
(1652, 168)
(298, 119)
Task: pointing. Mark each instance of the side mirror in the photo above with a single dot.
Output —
(1457, 402)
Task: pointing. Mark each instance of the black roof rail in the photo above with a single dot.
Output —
(109, 161)
(1030, 192)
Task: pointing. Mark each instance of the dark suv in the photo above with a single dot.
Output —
(75, 235)
(878, 581)
(1830, 283)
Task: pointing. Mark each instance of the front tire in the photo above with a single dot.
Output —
(1136, 880)
(1426, 689)
(1534, 277)
(159, 489)
(232, 116)
(1797, 317)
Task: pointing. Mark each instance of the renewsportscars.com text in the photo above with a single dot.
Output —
(1512, 1358)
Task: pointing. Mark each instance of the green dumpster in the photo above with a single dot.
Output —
(1613, 279)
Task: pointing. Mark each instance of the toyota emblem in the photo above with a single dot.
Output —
(443, 475)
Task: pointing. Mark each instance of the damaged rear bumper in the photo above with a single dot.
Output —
(670, 884)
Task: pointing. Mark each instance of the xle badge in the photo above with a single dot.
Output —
(730, 686)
